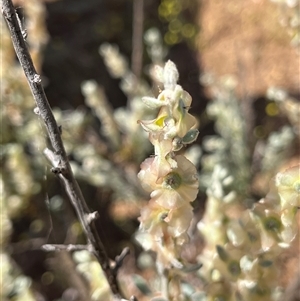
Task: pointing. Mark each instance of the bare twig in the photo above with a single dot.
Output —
(27, 245)
(61, 165)
(69, 248)
(137, 37)
(119, 259)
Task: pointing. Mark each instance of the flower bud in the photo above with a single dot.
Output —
(170, 75)
(190, 136)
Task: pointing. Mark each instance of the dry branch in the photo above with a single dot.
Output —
(58, 156)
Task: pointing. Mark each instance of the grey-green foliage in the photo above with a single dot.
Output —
(251, 236)
(124, 139)
(21, 138)
(276, 149)
(229, 149)
(155, 47)
(15, 286)
(287, 104)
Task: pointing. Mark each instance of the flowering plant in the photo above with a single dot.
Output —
(240, 259)
(170, 178)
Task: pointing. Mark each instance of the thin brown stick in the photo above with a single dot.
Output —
(137, 37)
(59, 159)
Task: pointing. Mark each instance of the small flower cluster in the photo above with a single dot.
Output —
(240, 258)
(170, 178)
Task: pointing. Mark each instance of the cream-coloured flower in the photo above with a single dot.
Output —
(163, 155)
(173, 119)
(158, 220)
(171, 180)
(152, 219)
(178, 187)
(148, 174)
(179, 220)
(163, 231)
(152, 169)
(183, 120)
(157, 125)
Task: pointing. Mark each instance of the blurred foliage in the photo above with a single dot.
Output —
(289, 18)
(21, 139)
(230, 148)
(237, 147)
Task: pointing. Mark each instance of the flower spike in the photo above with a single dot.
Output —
(170, 179)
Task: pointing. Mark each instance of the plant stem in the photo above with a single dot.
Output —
(59, 157)
(137, 37)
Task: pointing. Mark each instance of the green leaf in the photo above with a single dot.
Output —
(192, 268)
(190, 136)
(222, 253)
(142, 284)
(265, 263)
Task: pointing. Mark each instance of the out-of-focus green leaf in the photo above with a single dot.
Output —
(141, 284)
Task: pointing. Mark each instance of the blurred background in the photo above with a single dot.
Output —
(239, 60)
